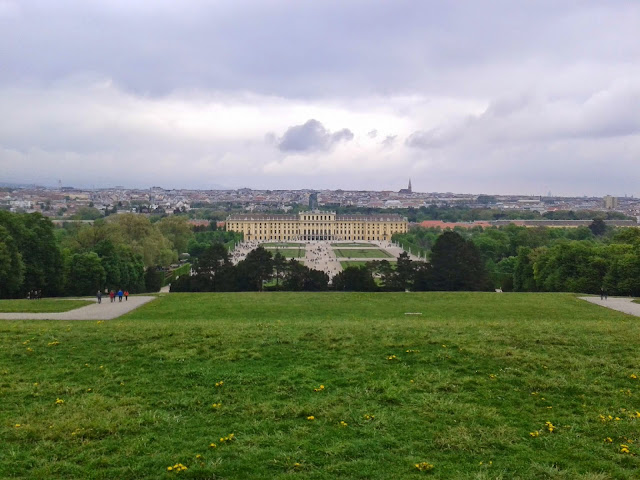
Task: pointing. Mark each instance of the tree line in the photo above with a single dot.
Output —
(455, 264)
(581, 260)
(122, 251)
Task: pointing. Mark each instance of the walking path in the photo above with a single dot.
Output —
(624, 305)
(98, 311)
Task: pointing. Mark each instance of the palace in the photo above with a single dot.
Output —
(317, 225)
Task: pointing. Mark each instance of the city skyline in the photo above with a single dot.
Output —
(483, 97)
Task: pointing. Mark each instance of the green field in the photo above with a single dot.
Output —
(361, 253)
(360, 263)
(46, 305)
(283, 245)
(462, 386)
(288, 252)
(342, 245)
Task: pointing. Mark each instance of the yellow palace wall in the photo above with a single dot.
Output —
(317, 226)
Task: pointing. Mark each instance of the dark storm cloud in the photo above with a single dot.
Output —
(312, 136)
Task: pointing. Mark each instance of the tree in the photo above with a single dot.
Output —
(35, 239)
(279, 265)
(177, 231)
(208, 266)
(255, 270)
(598, 227)
(11, 266)
(153, 279)
(457, 264)
(87, 213)
(301, 278)
(144, 238)
(523, 279)
(355, 279)
(86, 275)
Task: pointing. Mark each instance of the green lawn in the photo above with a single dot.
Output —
(361, 263)
(462, 386)
(361, 253)
(342, 245)
(288, 252)
(45, 305)
(283, 245)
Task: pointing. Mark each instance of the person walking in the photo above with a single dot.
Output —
(112, 296)
(120, 295)
(126, 295)
(99, 295)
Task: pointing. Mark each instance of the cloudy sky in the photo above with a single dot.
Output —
(477, 96)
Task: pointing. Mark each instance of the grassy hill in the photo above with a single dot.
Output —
(466, 386)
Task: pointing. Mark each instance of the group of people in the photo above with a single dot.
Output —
(34, 295)
(113, 294)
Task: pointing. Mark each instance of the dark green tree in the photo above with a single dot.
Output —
(153, 279)
(34, 236)
(86, 275)
(11, 266)
(457, 264)
(279, 265)
(254, 270)
(598, 227)
(355, 279)
(209, 264)
(301, 278)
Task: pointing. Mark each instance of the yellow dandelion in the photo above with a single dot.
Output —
(424, 466)
(535, 434)
(608, 440)
(311, 418)
(59, 401)
(343, 423)
(17, 425)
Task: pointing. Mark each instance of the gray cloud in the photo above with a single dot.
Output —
(520, 88)
(312, 136)
(389, 141)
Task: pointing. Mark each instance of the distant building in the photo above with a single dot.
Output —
(406, 190)
(317, 225)
(610, 202)
(313, 201)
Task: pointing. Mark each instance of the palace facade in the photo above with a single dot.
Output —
(317, 225)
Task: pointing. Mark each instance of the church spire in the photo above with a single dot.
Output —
(409, 188)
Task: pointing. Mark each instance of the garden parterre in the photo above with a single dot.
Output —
(480, 385)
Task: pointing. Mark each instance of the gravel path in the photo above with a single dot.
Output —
(624, 305)
(104, 311)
